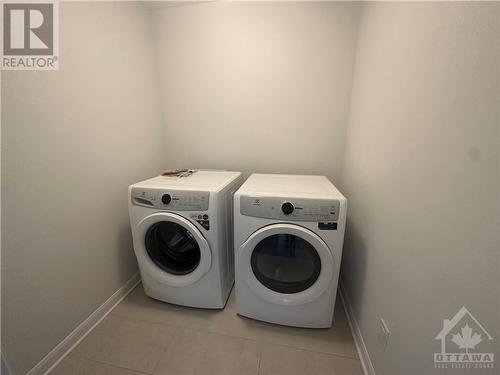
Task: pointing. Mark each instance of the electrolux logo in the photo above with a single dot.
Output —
(30, 35)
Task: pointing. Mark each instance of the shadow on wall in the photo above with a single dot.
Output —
(125, 246)
(354, 252)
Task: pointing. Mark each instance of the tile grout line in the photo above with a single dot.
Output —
(260, 358)
(268, 343)
(264, 341)
(312, 351)
(175, 329)
(108, 364)
(174, 335)
(186, 327)
(261, 346)
(133, 319)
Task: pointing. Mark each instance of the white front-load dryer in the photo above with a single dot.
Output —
(182, 231)
(289, 233)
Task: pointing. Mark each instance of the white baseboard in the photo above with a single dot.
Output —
(4, 370)
(356, 333)
(57, 354)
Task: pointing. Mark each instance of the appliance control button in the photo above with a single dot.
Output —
(166, 198)
(287, 208)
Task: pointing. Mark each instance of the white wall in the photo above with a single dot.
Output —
(72, 141)
(421, 175)
(256, 86)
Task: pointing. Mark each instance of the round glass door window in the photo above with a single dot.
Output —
(285, 263)
(172, 247)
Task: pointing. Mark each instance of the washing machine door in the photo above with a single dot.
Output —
(171, 249)
(285, 264)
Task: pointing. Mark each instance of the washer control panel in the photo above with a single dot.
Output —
(301, 209)
(202, 219)
(177, 200)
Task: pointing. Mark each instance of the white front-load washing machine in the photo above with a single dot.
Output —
(289, 232)
(182, 231)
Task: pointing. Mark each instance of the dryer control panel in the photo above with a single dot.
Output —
(300, 209)
(176, 200)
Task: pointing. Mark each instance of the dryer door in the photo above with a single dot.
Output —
(285, 264)
(171, 249)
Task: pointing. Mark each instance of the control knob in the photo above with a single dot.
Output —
(166, 198)
(287, 208)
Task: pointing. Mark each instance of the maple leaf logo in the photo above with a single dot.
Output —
(466, 340)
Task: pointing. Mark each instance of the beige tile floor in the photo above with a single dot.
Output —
(144, 336)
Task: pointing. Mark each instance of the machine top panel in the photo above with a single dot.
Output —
(290, 186)
(200, 180)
